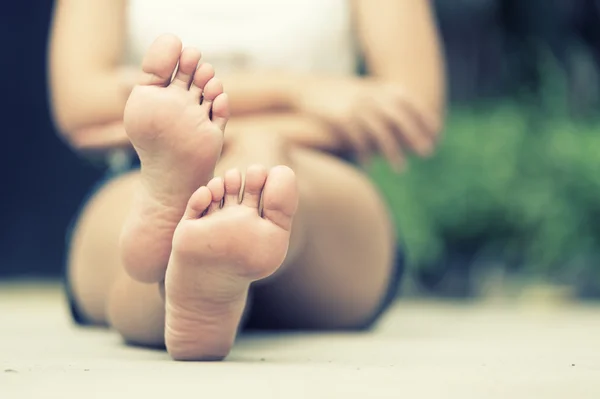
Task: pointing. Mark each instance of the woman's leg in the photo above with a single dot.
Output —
(103, 293)
(342, 247)
(340, 253)
(335, 278)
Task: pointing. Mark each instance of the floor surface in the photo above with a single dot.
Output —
(419, 350)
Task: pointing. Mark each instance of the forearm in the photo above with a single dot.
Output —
(96, 100)
(88, 114)
(297, 128)
(87, 85)
(256, 92)
(99, 138)
(414, 61)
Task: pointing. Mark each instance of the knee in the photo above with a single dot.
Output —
(93, 261)
(87, 279)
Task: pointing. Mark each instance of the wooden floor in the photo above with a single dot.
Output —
(420, 350)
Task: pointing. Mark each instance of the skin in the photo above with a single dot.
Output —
(78, 70)
(306, 119)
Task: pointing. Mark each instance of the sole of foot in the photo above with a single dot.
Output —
(175, 118)
(232, 234)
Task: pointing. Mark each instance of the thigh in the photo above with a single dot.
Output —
(338, 280)
(93, 258)
(102, 292)
(342, 273)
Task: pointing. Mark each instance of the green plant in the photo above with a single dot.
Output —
(513, 182)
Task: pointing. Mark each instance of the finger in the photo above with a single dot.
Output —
(426, 120)
(356, 139)
(383, 138)
(430, 121)
(405, 127)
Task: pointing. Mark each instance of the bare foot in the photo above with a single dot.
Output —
(218, 251)
(176, 126)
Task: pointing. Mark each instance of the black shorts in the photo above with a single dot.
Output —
(254, 319)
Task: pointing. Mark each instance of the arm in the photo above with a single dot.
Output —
(413, 60)
(100, 138)
(256, 92)
(88, 88)
(401, 106)
(299, 130)
(89, 93)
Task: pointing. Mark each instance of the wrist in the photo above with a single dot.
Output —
(290, 93)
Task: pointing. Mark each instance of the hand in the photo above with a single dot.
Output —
(370, 116)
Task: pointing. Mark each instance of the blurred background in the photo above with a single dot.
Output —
(511, 200)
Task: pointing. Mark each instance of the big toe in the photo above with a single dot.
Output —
(198, 203)
(280, 197)
(161, 60)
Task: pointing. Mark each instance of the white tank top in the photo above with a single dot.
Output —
(293, 35)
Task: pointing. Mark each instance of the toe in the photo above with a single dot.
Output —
(203, 74)
(280, 197)
(160, 61)
(233, 185)
(188, 62)
(217, 188)
(256, 176)
(212, 90)
(198, 203)
(220, 111)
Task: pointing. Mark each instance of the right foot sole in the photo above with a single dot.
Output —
(176, 127)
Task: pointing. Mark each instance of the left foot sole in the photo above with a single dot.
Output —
(223, 243)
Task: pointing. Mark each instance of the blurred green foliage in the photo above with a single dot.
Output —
(517, 180)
